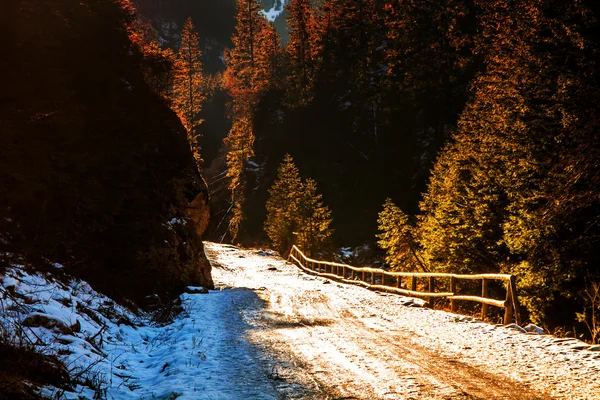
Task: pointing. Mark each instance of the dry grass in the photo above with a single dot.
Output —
(23, 370)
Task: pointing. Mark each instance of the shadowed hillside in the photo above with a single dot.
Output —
(95, 169)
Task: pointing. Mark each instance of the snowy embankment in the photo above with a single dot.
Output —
(116, 354)
(273, 332)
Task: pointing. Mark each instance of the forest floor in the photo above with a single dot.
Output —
(271, 332)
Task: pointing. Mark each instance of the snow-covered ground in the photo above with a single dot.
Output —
(204, 354)
(272, 332)
(348, 342)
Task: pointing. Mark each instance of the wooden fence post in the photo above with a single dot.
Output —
(484, 293)
(515, 299)
(453, 290)
(413, 283)
(363, 276)
(508, 305)
(398, 282)
(431, 290)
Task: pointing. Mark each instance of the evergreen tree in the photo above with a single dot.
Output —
(460, 228)
(429, 65)
(240, 79)
(189, 85)
(517, 191)
(269, 60)
(252, 70)
(283, 205)
(314, 218)
(243, 77)
(240, 145)
(397, 238)
(350, 38)
(295, 212)
(300, 49)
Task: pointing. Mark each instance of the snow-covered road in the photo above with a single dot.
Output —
(325, 340)
(273, 332)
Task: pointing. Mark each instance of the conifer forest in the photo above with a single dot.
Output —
(455, 136)
(451, 136)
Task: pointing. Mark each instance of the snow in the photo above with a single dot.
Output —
(531, 328)
(271, 331)
(364, 344)
(274, 12)
(175, 221)
(347, 252)
(203, 354)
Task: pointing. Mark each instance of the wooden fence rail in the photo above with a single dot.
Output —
(379, 279)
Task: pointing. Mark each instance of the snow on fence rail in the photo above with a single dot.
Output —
(392, 282)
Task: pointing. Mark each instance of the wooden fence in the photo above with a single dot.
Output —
(379, 279)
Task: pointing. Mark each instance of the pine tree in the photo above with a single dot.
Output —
(252, 70)
(313, 234)
(240, 79)
(243, 77)
(517, 190)
(397, 238)
(295, 212)
(429, 61)
(460, 228)
(240, 144)
(282, 206)
(300, 49)
(189, 85)
(350, 35)
(269, 60)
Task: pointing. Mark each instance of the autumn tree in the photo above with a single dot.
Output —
(239, 79)
(269, 60)
(189, 85)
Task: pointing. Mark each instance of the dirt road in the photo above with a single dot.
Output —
(326, 340)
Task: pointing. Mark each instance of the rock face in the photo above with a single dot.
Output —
(197, 216)
(96, 172)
